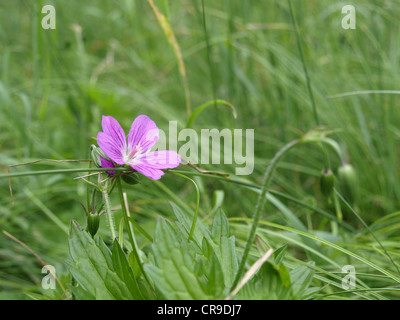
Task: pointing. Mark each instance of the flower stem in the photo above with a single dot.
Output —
(197, 204)
(260, 204)
(110, 217)
(130, 230)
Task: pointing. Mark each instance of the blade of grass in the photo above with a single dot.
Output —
(303, 60)
(205, 106)
(169, 33)
(368, 228)
(328, 243)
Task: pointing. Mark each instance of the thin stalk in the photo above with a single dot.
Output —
(368, 228)
(327, 161)
(110, 216)
(208, 45)
(197, 204)
(260, 204)
(303, 60)
(338, 209)
(53, 217)
(130, 230)
(192, 173)
(170, 35)
(42, 172)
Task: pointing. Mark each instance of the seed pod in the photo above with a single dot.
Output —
(93, 223)
(132, 178)
(348, 182)
(327, 182)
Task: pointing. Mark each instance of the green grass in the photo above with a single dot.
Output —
(115, 59)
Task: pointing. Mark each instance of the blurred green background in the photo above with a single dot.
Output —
(113, 58)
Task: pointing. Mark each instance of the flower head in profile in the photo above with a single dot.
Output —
(135, 150)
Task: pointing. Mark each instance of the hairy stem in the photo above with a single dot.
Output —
(110, 217)
(260, 204)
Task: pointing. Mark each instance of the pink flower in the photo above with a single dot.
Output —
(136, 151)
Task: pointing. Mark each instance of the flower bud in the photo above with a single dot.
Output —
(101, 160)
(97, 155)
(132, 178)
(93, 223)
(348, 182)
(326, 182)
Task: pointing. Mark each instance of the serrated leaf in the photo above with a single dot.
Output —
(81, 294)
(124, 271)
(215, 278)
(279, 254)
(134, 264)
(220, 226)
(186, 222)
(261, 246)
(270, 283)
(106, 252)
(224, 247)
(309, 292)
(218, 200)
(91, 268)
(206, 248)
(226, 253)
(174, 272)
(301, 278)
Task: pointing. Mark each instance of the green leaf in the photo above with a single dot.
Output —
(215, 278)
(91, 266)
(134, 264)
(218, 200)
(220, 226)
(80, 293)
(218, 239)
(261, 246)
(224, 247)
(301, 278)
(206, 248)
(270, 283)
(279, 254)
(174, 274)
(124, 270)
(186, 223)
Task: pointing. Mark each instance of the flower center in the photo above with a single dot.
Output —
(130, 154)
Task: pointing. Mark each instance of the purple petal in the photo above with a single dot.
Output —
(110, 147)
(107, 164)
(149, 164)
(113, 129)
(151, 173)
(160, 159)
(143, 133)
